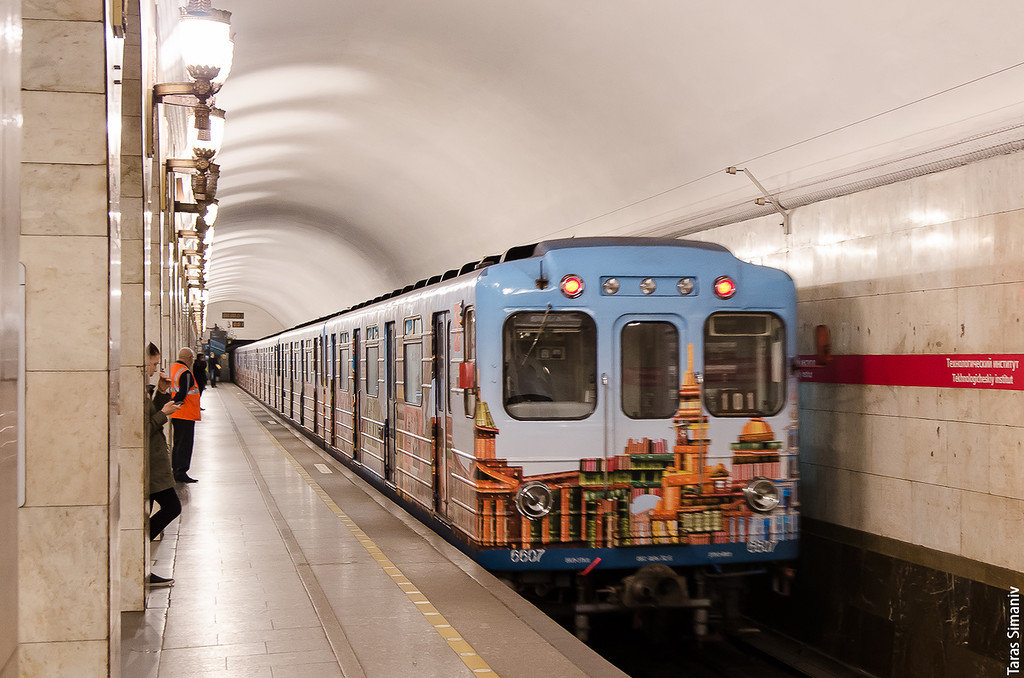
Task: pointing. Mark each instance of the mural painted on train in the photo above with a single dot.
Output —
(655, 491)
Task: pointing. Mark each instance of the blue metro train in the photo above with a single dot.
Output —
(590, 406)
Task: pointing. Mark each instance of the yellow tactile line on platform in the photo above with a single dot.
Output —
(466, 653)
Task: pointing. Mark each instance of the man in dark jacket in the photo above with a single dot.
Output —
(161, 480)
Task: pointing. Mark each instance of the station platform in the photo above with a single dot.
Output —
(287, 565)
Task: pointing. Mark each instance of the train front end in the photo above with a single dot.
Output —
(636, 406)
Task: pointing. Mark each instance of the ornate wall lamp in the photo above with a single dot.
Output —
(207, 51)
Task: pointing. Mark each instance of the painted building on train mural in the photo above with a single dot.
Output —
(664, 491)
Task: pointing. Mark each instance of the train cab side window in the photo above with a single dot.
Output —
(744, 364)
(469, 342)
(650, 370)
(550, 365)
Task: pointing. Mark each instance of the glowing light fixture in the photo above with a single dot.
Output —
(725, 288)
(207, 141)
(572, 286)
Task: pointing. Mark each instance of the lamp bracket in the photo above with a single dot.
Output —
(767, 197)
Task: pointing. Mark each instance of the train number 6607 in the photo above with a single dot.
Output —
(527, 555)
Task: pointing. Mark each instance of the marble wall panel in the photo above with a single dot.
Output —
(132, 319)
(1006, 461)
(927, 450)
(132, 178)
(132, 259)
(882, 505)
(1001, 408)
(131, 131)
(65, 438)
(886, 453)
(133, 485)
(63, 199)
(970, 453)
(990, 318)
(133, 565)
(67, 296)
(936, 517)
(84, 659)
(988, 248)
(66, 56)
(992, 526)
(133, 383)
(64, 127)
(63, 584)
(68, 10)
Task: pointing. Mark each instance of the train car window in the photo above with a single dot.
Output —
(650, 370)
(469, 327)
(550, 365)
(412, 356)
(343, 369)
(372, 369)
(744, 364)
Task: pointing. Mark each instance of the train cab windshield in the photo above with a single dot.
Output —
(550, 365)
(744, 364)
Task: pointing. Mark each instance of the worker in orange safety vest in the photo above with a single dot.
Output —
(184, 390)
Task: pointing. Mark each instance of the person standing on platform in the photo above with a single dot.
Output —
(161, 479)
(213, 367)
(199, 372)
(185, 391)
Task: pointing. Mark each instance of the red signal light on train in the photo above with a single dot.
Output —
(572, 286)
(725, 287)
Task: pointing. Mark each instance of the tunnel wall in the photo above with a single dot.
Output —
(914, 495)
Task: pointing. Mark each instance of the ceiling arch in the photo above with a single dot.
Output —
(369, 145)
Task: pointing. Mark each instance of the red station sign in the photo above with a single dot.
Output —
(938, 371)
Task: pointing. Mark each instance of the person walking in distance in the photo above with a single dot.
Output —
(185, 391)
(213, 368)
(161, 479)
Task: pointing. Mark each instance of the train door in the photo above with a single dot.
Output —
(332, 382)
(650, 357)
(441, 395)
(278, 378)
(303, 378)
(389, 402)
(357, 394)
(291, 380)
(316, 393)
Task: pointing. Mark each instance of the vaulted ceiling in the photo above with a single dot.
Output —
(370, 144)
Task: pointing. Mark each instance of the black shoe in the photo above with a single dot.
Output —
(185, 479)
(157, 582)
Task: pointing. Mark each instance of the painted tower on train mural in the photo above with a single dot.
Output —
(648, 494)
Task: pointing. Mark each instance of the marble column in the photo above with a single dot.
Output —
(68, 541)
(10, 308)
(134, 166)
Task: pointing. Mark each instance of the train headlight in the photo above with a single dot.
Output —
(647, 285)
(685, 285)
(725, 287)
(572, 286)
(611, 286)
(534, 499)
(761, 494)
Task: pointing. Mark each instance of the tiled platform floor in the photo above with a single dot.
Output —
(282, 570)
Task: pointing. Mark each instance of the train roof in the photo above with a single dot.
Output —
(531, 251)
